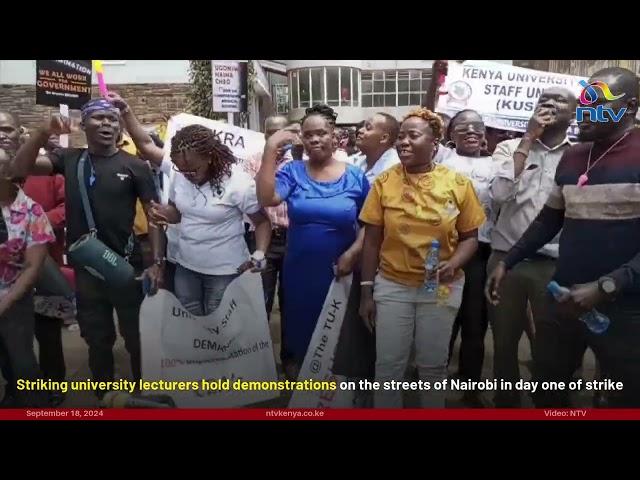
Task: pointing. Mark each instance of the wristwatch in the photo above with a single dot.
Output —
(258, 258)
(607, 285)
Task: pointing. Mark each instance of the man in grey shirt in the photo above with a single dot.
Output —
(520, 189)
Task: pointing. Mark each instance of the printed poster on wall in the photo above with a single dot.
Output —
(229, 82)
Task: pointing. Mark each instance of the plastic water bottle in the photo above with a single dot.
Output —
(595, 321)
(431, 263)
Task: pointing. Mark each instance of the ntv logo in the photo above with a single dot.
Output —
(599, 113)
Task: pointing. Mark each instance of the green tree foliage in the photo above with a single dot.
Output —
(200, 101)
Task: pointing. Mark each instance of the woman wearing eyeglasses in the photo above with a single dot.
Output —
(467, 132)
(208, 198)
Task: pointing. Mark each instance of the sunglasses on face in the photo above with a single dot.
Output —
(476, 127)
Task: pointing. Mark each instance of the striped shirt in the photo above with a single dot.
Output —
(277, 215)
(601, 230)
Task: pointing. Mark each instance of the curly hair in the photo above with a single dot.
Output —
(434, 121)
(201, 140)
(324, 111)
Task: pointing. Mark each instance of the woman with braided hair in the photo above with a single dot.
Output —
(209, 196)
(409, 206)
(324, 197)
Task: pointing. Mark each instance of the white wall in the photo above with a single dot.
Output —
(293, 64)
(23, 72)
(396, 64)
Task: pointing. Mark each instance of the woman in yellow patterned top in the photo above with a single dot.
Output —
(408, 206)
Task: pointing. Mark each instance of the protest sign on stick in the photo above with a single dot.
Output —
(102, 85)
(63, 82)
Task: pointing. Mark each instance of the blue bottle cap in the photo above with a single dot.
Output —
(435, 243)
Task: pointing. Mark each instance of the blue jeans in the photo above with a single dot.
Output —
(200, 294)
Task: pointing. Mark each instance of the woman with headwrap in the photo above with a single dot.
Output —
(114, 181)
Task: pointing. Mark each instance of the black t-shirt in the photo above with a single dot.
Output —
(119, 181)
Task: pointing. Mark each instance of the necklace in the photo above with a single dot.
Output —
(584, 178)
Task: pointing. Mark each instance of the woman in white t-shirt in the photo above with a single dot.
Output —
(467, 132)
(208, 197)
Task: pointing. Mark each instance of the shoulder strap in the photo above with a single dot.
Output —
(86, 206)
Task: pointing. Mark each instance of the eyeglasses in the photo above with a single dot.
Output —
(184, 172)
(476, 127)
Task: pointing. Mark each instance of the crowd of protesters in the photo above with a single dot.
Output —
(511, 212)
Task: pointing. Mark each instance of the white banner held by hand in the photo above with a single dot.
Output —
(504, 95)
(233, 343)
(318, 362)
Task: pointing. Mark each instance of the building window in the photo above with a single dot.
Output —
(391, 88)
(317, 86)
(281, 99)
(305, 88)
(345, 87)
(335, 86)
(355, 82)
(333, 99)
(293, 83)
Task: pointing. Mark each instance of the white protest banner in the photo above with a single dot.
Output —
(318, 362)
(504, 95)
(233, 343)
(242, 142)
(229, 82)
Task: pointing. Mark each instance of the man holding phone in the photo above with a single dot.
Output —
(520, 189)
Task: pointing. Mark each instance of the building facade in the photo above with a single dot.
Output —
(357, 89)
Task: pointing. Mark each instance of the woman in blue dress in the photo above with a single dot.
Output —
(324, 197)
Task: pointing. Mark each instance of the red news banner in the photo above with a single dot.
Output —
(69, 414)
(353, 414)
